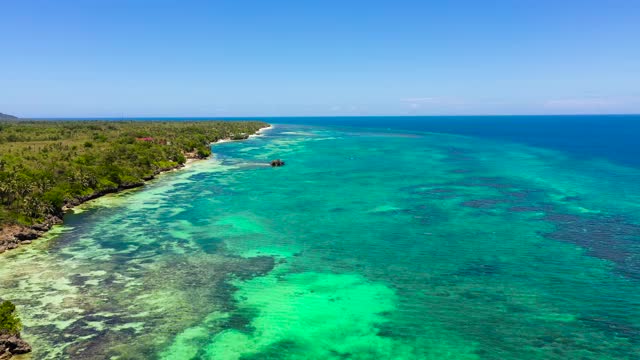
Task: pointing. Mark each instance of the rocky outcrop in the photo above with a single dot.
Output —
(12, 236)
(12, 345)
(277, 162)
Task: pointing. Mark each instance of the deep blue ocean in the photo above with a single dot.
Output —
(614, 137)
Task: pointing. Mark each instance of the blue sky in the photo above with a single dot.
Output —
(288, 58)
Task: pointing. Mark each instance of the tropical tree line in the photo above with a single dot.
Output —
(46, 164)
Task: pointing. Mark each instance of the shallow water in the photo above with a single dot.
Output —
(368, 244)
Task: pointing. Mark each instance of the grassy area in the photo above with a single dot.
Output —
(47, 164)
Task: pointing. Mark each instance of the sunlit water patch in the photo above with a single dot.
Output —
(368, 244)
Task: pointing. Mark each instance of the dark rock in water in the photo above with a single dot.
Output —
(28, 234)
(277, 162)
(41, 227)
(12, 345)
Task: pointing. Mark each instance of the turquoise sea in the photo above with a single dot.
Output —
(379, 239)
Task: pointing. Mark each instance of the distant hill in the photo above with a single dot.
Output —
(7, 117)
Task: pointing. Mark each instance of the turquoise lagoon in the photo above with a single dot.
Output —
(368, 244)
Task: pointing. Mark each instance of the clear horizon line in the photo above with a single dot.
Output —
(310, 116)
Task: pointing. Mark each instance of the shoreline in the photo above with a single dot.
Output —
(258, 133)
(14, 236)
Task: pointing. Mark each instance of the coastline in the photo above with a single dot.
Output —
(14, 236)
(258, 133)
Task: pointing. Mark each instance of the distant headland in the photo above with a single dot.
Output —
(7, 116)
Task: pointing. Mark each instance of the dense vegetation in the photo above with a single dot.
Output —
(9, 320)
(47, 164)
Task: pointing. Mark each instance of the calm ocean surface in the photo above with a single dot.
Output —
(610, 136)
(382, 238)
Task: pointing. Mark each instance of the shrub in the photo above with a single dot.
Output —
(203, 151)
(9, 321)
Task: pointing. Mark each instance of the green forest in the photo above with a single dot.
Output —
(45, 165)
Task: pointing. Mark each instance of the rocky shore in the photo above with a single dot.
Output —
(10, 341)
(13, 236)
(11, 345)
